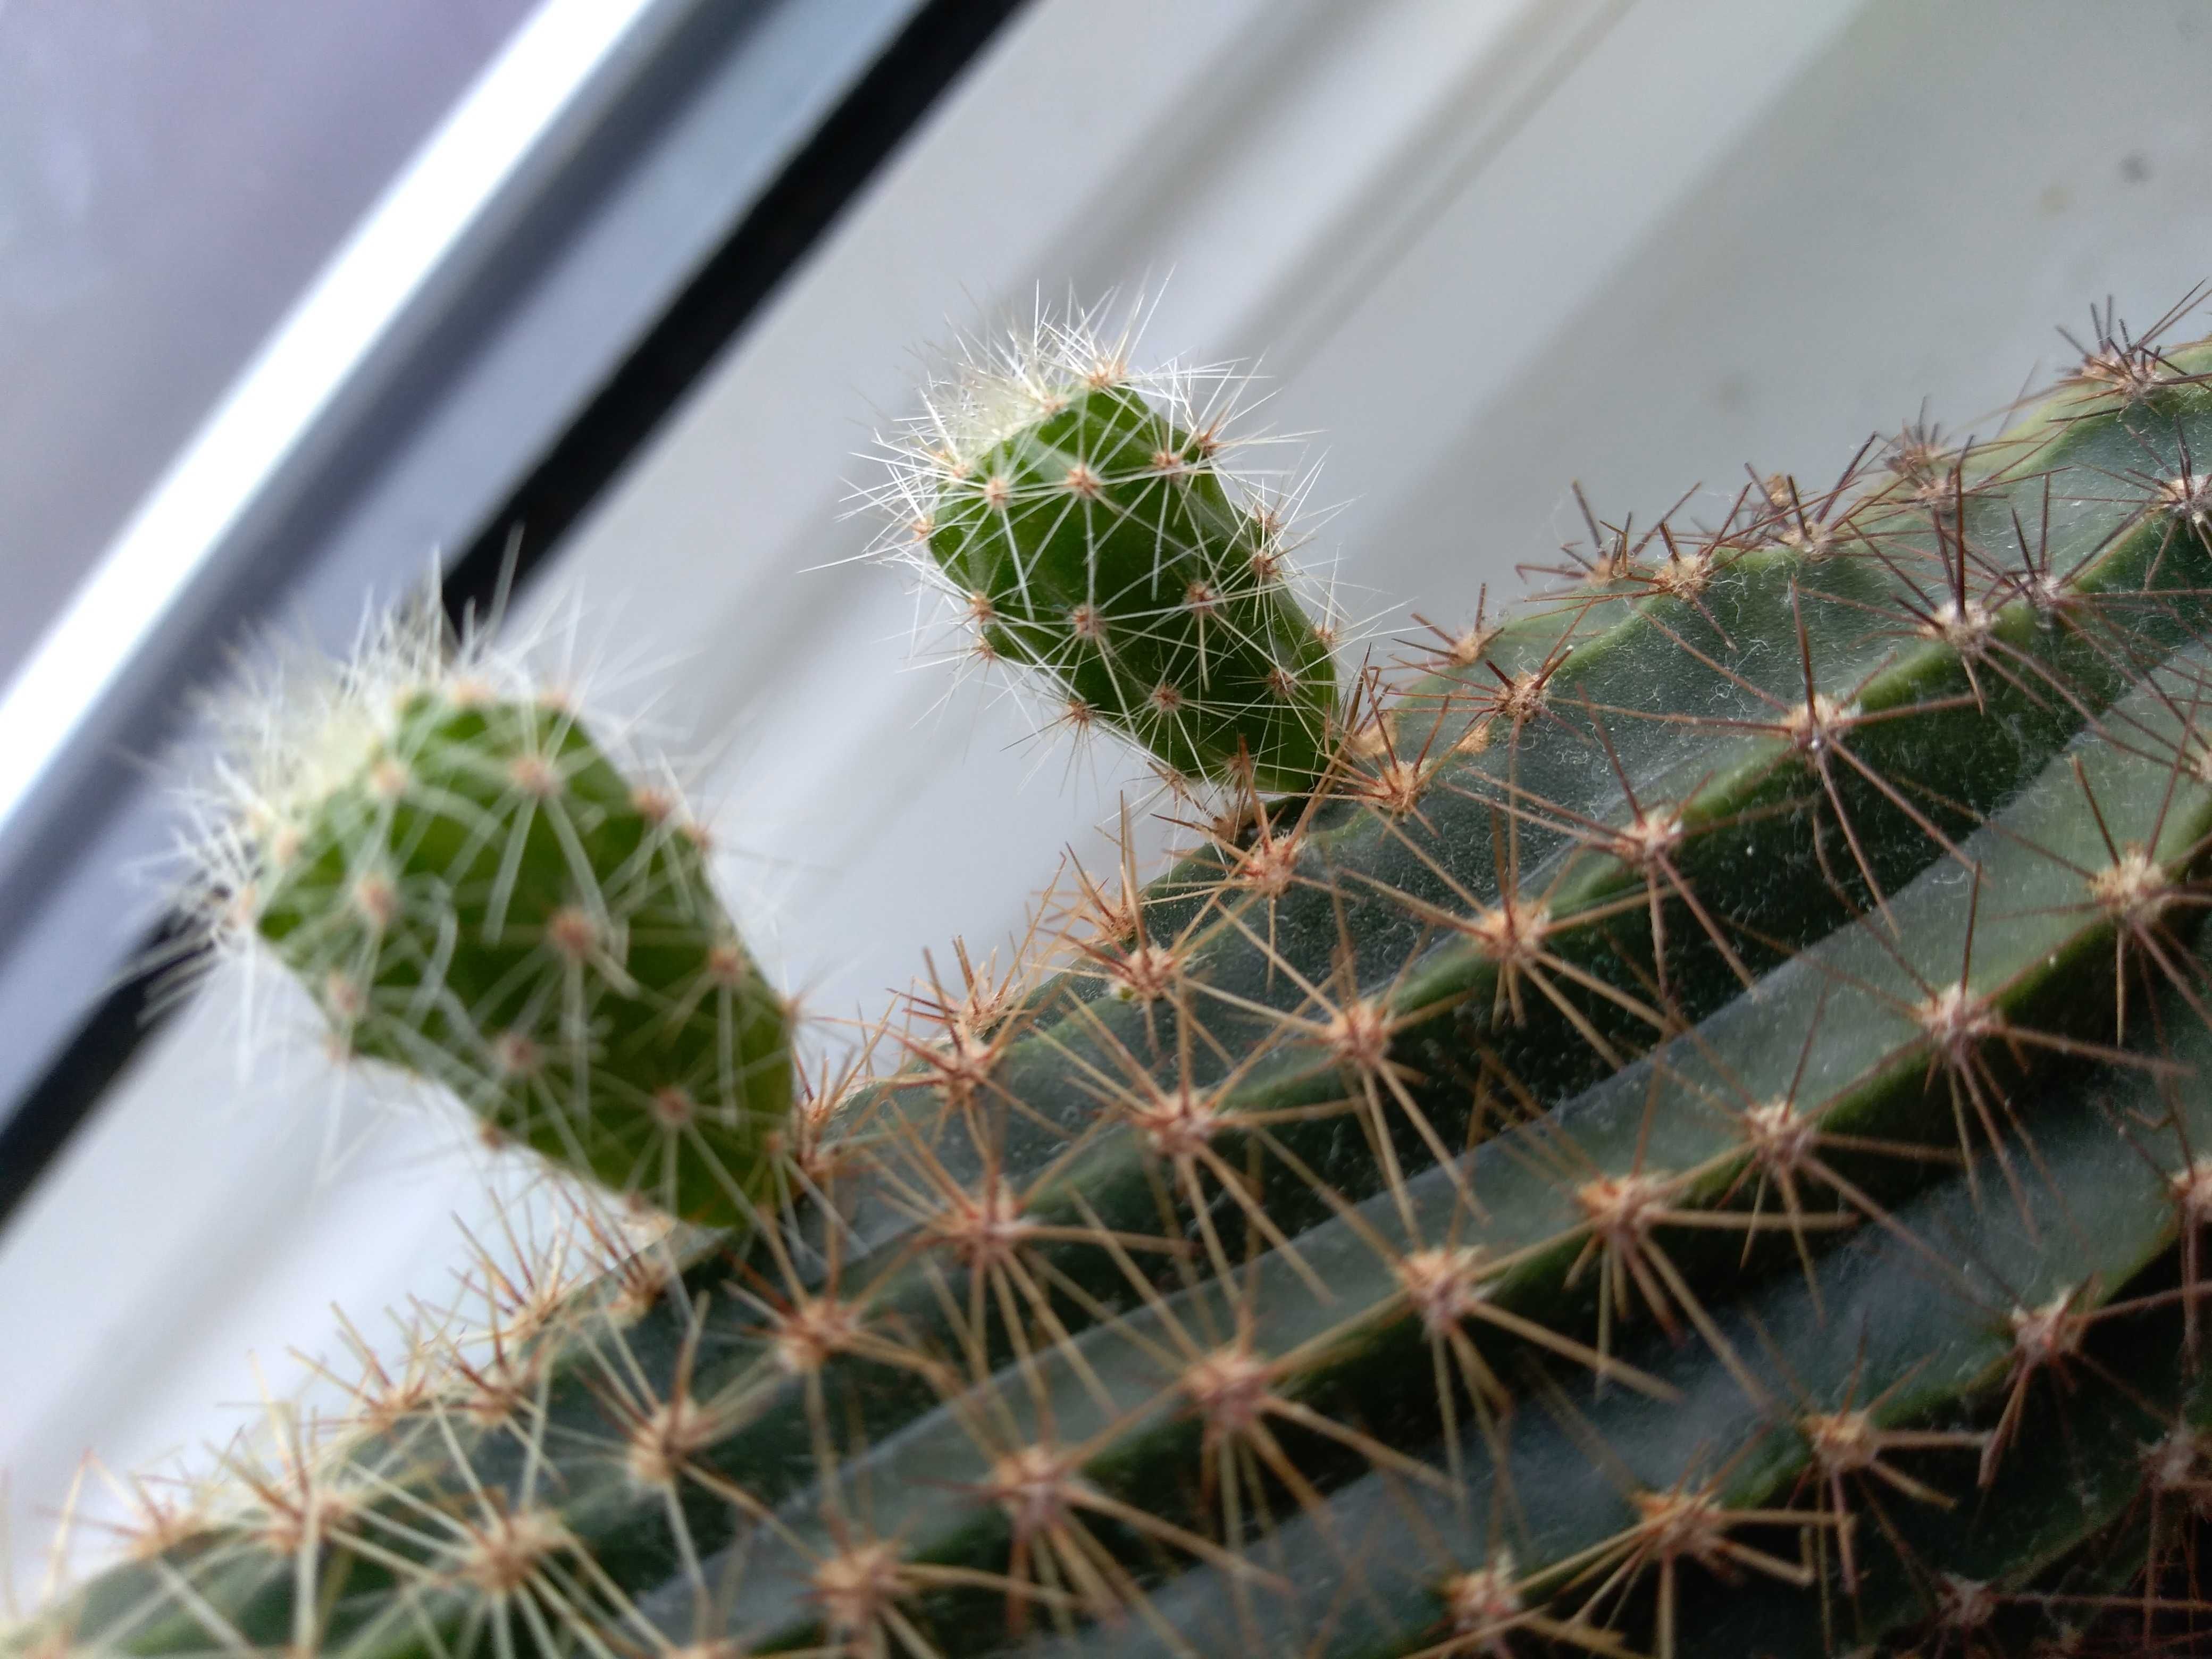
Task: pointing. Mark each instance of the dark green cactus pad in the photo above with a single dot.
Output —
(1097, 543)
(489, 903)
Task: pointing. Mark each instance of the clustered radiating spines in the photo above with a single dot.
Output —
(470, 890)
(1083, 521)
(1715, 1165)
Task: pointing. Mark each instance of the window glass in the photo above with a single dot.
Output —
(170, 177)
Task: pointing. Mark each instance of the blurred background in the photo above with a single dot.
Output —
(171, 177)
(294, 301)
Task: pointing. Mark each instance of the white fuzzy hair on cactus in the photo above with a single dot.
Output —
(986, 385)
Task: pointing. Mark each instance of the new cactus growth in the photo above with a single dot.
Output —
(475, 893)
(1089, 529)
(1688, 1134)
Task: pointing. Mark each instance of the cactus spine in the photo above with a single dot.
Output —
(1686, 1136)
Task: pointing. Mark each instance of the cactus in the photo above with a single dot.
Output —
(1684, 1133)
(1083, 529)
(472, 891)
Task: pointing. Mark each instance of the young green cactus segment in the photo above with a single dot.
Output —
(486, 901)
(1086, 531)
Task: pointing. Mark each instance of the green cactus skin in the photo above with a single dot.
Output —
(1690, 1141)
(1095, 540)
(488, 903)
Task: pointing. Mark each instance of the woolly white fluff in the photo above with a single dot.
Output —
(984, 387)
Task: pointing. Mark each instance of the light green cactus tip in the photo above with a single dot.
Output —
(1082, 519)
(477, 894)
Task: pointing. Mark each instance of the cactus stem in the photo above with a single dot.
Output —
(1098, 1328)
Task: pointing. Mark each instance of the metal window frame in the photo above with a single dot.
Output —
(651, 219)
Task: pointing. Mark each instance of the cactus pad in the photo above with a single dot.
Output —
(485, 901)
(1088, 529)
